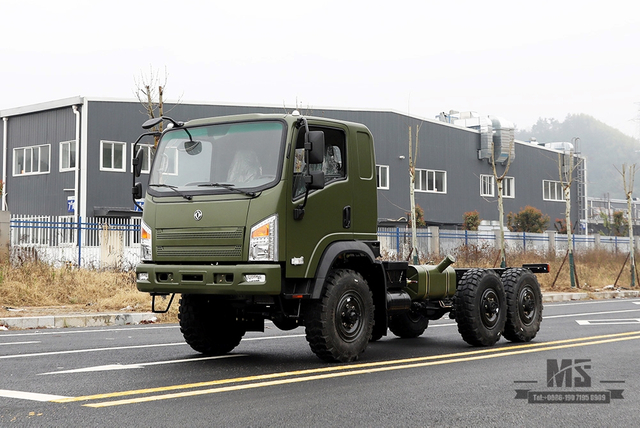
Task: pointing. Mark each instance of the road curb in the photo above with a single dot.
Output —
(76, 320)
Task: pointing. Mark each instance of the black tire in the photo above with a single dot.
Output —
(408, 325)
(339, 325)
(480, 307)
(524, 305)
(208, 325)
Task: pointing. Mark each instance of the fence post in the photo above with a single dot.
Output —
(596, 241)
(79, 241)
(397, 242)
(434, 240)
(5, 234)
(551, 236)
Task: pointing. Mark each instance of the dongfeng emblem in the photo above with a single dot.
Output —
(197, 215)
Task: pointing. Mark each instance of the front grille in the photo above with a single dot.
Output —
(207, 252)
(226, 233)
(206, 244)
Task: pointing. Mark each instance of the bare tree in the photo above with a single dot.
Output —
(566, 167)
(150, 92)
(499, 182)
(628, 177)
(412, 176)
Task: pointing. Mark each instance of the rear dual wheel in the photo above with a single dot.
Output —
(480, 307)
(524, 304)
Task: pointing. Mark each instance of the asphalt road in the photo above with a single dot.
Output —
(147, 376)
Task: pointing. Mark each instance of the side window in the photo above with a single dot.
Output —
(333, 164)
(112, 156)
(67, 155)
(382, 176)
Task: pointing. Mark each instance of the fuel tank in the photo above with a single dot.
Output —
(432, 282)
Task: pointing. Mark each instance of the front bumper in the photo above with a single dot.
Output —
(243, 279)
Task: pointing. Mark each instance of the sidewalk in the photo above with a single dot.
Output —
(76, 320)
(59, 317)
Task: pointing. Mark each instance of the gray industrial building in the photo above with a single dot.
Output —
(79, 150)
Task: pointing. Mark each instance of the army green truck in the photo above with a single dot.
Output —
(274, 217)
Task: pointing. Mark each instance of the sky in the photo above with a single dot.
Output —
(518, 60)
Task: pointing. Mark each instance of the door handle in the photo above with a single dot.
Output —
(346, 217)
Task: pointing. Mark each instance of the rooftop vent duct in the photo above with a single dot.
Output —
(503, 139)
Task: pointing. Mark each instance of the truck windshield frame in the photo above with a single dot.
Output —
(219, 159)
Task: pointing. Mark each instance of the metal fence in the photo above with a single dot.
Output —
(100, 242)
(395, 242)
(96, 242)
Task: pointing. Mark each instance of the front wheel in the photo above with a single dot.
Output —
(524, 305)
(480, 307)
(209, 325)
(339, 325)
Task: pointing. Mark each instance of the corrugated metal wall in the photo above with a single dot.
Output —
(40, 193)
(442, 147)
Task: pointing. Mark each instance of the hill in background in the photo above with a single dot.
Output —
(604, 147)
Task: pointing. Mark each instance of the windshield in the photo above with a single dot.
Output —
(228, 156)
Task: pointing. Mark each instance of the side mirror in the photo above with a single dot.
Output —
(136, 191)
(150, 123)
(137, 162)
(315, 180)
(315, 146)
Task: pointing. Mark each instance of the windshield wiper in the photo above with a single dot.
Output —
(230, 187)
(174, 188)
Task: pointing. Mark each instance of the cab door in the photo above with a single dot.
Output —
(328, 212)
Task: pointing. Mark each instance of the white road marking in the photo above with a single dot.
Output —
(55, 332)
(34, 396)
(609, 321)
(590, 313)
(20, 343)
(588, 302)
(117, 348)
(110, 367)
(287, 336)
(80, 351)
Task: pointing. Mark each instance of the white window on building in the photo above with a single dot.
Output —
(32, 160)
(382, 176)
(146, 158)
(552, 191)
(508, 187)
(428, 180)
(67, 156)
(113, 156)
(487, 185)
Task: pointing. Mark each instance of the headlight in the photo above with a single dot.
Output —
(145, 242)
(263, 243)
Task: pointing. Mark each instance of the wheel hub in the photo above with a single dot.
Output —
(527, 306)
(491, 306)
(350, 317)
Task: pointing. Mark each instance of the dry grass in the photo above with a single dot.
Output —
(36, 284)
(595, 269)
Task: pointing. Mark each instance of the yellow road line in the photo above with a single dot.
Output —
(327, 369)
(347, 373)
(348, 370)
